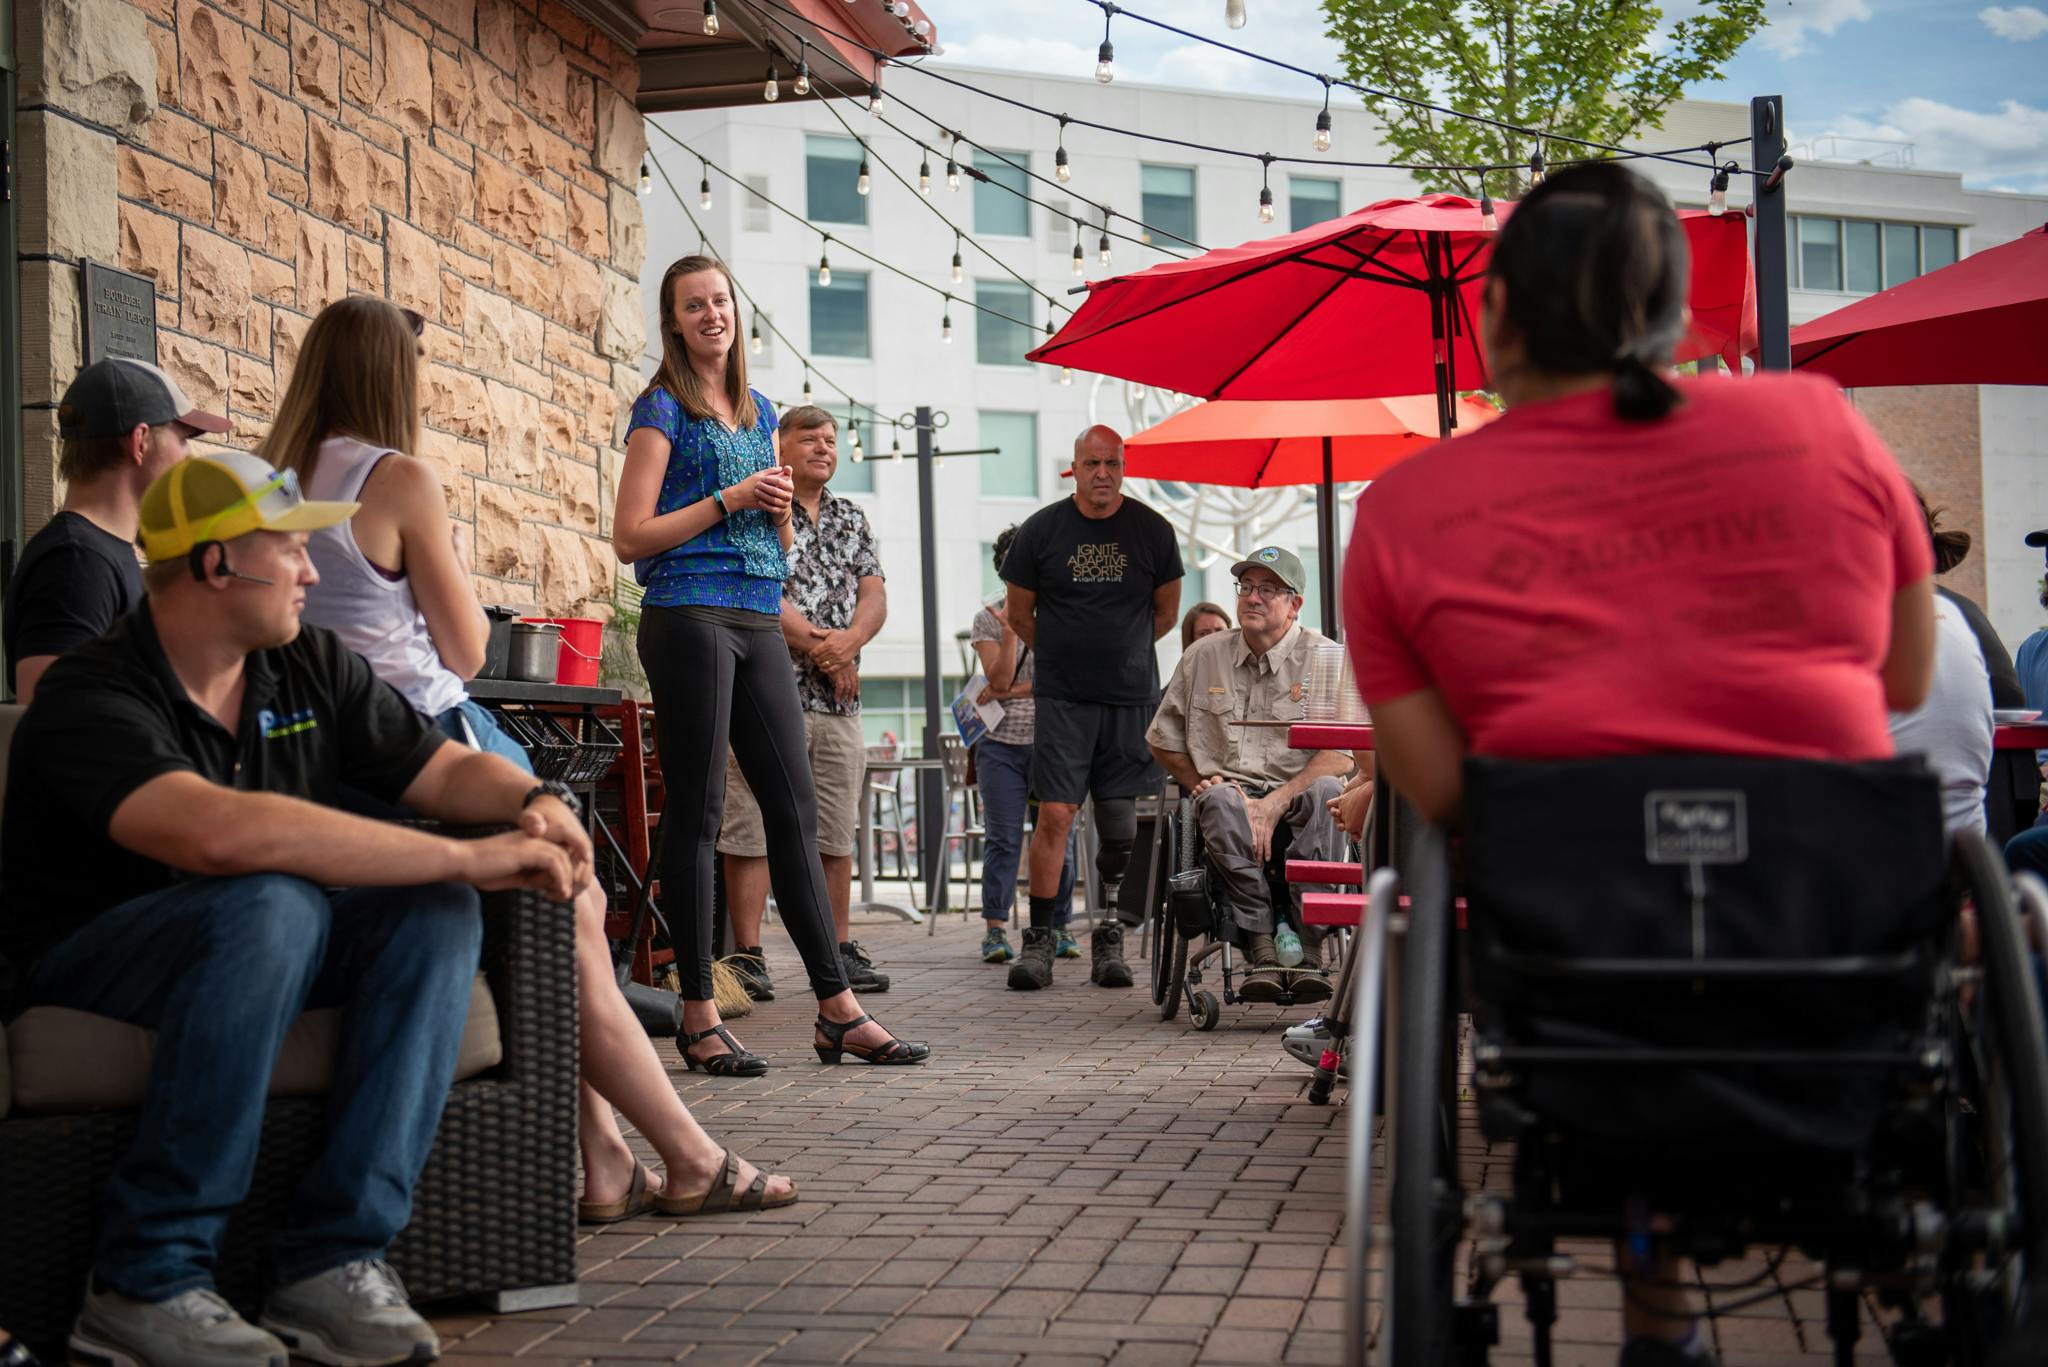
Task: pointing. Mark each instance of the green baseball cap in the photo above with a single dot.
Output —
(1283, 563)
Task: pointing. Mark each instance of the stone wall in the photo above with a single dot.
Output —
(1933, 430)
(474, 160)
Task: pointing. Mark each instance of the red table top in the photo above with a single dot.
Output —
(1321, 735)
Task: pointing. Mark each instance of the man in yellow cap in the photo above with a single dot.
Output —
(170, 858)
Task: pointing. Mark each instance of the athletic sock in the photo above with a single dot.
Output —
(1041, 911)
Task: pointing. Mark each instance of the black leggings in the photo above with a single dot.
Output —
(716, 686)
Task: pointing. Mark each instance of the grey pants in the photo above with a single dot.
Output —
(1226, 827)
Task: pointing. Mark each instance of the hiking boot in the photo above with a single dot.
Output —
(1263, 981)
(860, 969)
(1106, 951)
(192, 1329)
(1064, 945)
(995, 947)
(355, 1315)
(1033, 968)
(1307, 984)
(750, 966)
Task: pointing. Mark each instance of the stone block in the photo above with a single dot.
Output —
(374, 130)
(514, 453)
(166, 313)
(575, 571)
(405, 76)
(621, 137)
(581, 498)
(214, 68)
(272, 281)
(322, 264)
(67, 175)
(250, 12)
(525, 278)
(387, 181)
(356, 83)
(513, 207)
(503, 130)
(443, 454)
(164, 43)
(258, 340)
(270, 61)
(497, 34)
(621, 330)
(449, 145)
(164, 12)
(628, 230)
(53, 339)
(365, 266)
(455, 94)
(92, 58)
(506, 541)
(487, 333)
(252, 386)
(316, 69)
(149, 246)
(443, 191)
(200, 368)
(348, 20)
(579, 293)
(565, 24)
(338, 175)
(278, 127)
(589, 224)
(287, 335)
(240, 188)
(455, 17)
(442, 345)
(456, 401)
(557, 432)
(413, 261)
(185, 141)
(217, 290)
(543, 75)
(160, 183)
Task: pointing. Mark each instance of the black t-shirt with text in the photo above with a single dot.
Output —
(111, 716)
(72, 582)
(1094, 580)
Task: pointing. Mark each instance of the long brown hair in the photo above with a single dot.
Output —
(675, 374)
(1951, 547)
(358, 374)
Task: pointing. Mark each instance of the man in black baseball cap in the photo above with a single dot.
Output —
(123, 423)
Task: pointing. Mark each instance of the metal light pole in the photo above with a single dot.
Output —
(1768, 164)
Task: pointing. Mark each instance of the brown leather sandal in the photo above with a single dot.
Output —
(638, 1200)
(720, 1196)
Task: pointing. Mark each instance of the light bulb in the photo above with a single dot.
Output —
(1536, 168)
(704, 193)
(754, 339)
(1077, 260)
(946, 328)
(803, 78)
(1060, 171)
(952, 174)
(1323, 131)
(1233, 13)
(958, 270)
(874, 97)
(900, 8)
(710, 18)
(1265, 204)
(1102, 248)
(1717, 194)
(1105, 62)
(924, 177)
(807, 386)
(1066, 374)
(646, 179)
(895, 448)
(922, 28)
(1487, 218)
(864, 184)
(824, 270)
(771, 91)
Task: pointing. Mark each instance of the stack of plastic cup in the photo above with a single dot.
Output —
(1327, 671)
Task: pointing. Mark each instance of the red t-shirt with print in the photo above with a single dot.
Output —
(1576, 584)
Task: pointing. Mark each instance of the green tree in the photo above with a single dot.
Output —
(1595, 69)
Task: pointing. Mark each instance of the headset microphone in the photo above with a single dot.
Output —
(221, 569)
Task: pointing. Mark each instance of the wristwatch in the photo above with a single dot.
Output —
(560, 791)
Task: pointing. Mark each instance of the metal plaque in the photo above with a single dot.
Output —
(119, 314)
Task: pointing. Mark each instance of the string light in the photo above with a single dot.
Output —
(1487, 218)
(807, 384)
(1102, 243)
(924, 172)
(1233, 13)
(704, 186)
(754, 337)
(1266, 190)
(646, 179)
(1078, 264)
(1323, 121)
(1105, 56)
(865, 183)
(710, 18)
(946, 321)
(772, 90)
(958, 269)
(895, 445)
(874, 97)
(1066, 372)
(853, 427)
(1060, 171)
(824, 261)
(1536, 168)
(1717, 193)
(953, 165)
(803, 68)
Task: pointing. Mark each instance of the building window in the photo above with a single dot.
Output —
(839, 315)
(1901, 253)
(1860, 266)
(895, 708)
(1861, 257)
(1820, 253)
(1310, 202)
(1937, 248)
(1167, 200)
(831, 173)
(999, 340)
(1014, 472)
(854, 476)
(997, 211)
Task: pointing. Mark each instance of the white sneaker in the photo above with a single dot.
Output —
(192, 1329)
(355, 1315)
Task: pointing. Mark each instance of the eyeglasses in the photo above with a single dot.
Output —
(287, 480)
(1265, 591)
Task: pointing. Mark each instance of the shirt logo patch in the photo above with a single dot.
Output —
(275, 727)
(1101, 563)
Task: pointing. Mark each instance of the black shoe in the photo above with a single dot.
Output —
(1033, 968)
(860, 969)
(750, 966)
(1648, 1352)
(1106, 947)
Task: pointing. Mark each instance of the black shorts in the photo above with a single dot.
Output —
(1085, 749)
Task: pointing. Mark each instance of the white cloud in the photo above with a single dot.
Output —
(2009, 147)
(2021, 24)
(1792, 22)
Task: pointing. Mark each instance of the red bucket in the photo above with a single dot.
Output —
(582, 644)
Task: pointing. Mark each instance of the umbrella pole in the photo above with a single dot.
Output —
(1326, 543)
(1439, 333)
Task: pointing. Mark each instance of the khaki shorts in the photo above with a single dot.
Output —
(839, 759)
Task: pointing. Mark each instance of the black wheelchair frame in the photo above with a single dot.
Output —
(1945, 1207)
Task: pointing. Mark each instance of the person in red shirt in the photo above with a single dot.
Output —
(1626, 562)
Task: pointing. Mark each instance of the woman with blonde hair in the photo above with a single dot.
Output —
(394, 589)
(704, 517)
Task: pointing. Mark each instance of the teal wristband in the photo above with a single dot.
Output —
(718, 497)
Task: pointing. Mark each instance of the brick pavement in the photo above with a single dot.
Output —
(1070, 1183)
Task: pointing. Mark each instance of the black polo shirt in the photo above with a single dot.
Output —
(111, 716)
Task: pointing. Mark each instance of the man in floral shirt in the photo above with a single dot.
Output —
(833, 603)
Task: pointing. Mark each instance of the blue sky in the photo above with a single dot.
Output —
(1965, 83)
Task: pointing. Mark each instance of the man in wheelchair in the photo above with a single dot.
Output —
(1246, 781)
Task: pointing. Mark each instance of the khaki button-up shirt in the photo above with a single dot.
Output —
(1219, 681)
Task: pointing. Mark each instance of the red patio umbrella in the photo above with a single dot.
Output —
(1983, 320)
(1379, 302)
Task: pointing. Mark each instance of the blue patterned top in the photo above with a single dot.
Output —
(739, 562)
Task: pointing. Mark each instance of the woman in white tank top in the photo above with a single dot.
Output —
(394, 589)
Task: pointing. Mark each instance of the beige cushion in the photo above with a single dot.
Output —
(64, 1060)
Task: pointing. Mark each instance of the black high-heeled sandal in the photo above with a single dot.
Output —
(738, 1063)
(896, 1051)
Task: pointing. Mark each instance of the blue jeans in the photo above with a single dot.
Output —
(490, 737)
(219, 968)
(1003, 772)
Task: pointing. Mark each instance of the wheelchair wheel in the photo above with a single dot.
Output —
(1426, 1209)
(1169, 967)
(1206, 1012)
(2009, 1138)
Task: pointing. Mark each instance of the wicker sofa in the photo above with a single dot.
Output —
(494, 1213)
